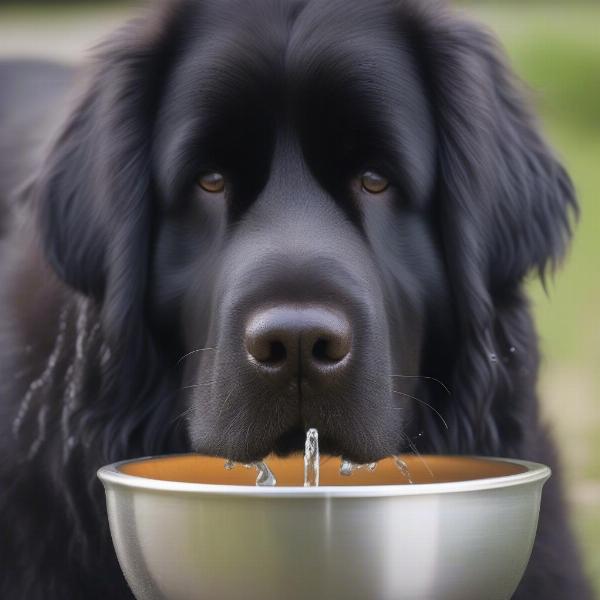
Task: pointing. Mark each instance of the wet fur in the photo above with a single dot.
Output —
(502, 209)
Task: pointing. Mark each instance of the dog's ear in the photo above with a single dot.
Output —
(95, 213)
(95, 189)
(497, 173)
(505, 204)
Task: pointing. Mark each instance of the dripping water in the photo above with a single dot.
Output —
(264, 475)
(73, 381)
(311, 459)
(403, 468)
(74, 375)
(46, 377)
(347, 467)
(41, 436)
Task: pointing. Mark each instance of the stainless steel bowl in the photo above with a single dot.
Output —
(185, 528)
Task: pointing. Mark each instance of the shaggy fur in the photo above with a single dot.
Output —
(114, 264)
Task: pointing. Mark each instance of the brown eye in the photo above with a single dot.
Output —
(373, 182)
(212, 182)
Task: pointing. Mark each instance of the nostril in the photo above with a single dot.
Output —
(277, 353)
(330, 350)
(319, 350)
(288, 339)
(267, 352)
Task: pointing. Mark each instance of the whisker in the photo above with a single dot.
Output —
(424, 404)
(426, 377)
(193, 352)
(182, 414)
(190, 408)
(417, 453)
(196, 385)
(224, 403)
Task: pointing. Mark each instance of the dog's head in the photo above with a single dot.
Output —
(319, 205)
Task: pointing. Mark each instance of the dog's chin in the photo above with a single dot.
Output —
(361, 447)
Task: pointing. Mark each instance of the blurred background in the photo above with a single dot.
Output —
(555, 47)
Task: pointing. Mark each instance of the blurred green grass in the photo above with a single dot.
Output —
(555, 49)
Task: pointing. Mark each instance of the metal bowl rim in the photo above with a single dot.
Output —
(111, 475)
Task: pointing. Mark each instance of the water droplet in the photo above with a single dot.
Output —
(105, 354)
(347, 467)
(403, 468)
(512, 349)
(41, 434)
(493, 357)
(264, 477)
(311, 458)
(46, 376)
(75, 374)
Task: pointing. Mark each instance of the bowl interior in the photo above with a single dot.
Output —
(289, 471)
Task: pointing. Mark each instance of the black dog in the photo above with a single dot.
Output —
(262, 216)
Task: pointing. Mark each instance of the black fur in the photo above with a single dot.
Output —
(114, 265)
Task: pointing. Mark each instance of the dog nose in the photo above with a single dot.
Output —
(287, 340)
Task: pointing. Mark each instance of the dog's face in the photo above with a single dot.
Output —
(308, 201)
(296, 248)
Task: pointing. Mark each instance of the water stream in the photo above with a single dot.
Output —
(403, 468)
(311, 459)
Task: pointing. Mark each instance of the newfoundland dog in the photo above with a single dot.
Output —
(248, 217)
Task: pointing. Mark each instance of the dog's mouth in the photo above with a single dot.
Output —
(360, 437)
(290, 441)
(293, 440)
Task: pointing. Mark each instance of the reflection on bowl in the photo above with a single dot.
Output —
(186, 528)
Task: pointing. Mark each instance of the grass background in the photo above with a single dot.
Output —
(555, 47)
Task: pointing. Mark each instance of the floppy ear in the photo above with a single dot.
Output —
(95, 192)
(504, 206)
